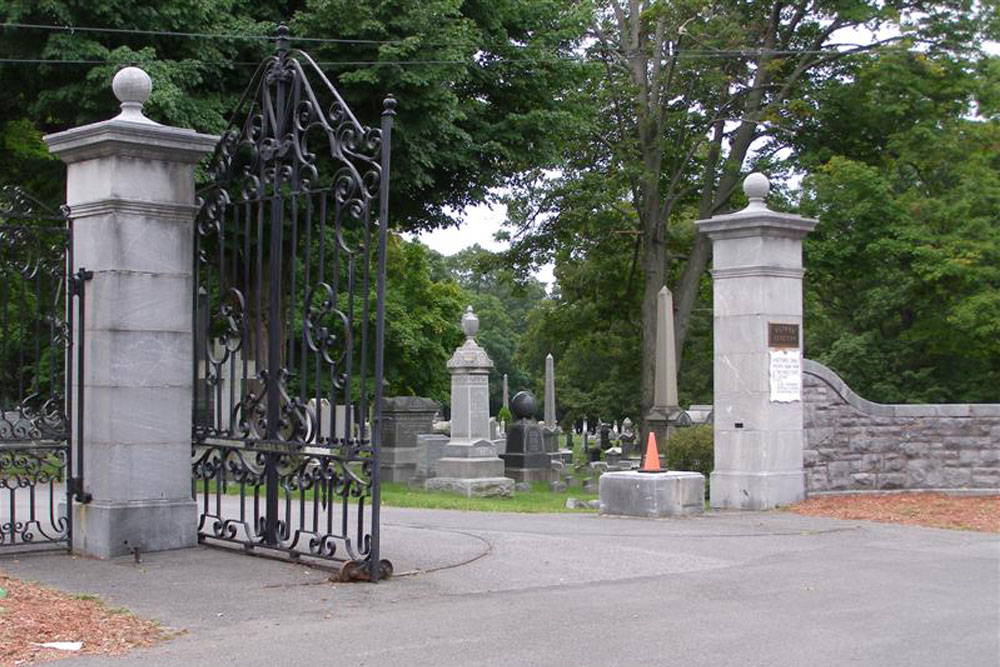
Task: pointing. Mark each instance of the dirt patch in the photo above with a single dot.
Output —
(31, 614)
(934, 510)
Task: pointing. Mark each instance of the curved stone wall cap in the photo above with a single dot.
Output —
(470, 355)
(834, 381)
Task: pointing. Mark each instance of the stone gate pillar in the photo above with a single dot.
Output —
(130, 189)
(757, 292)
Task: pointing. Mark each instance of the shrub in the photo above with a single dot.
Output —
(692, 449)
(504, 415)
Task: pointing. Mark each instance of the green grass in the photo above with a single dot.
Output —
(539, 499)
(397, 494)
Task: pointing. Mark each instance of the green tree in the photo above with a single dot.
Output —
(422, 323)
(686, 95)
(903, 271)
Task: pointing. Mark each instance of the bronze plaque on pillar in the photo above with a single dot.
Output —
(782, 335)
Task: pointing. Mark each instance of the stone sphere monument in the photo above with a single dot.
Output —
(524, 405)
(526, 459)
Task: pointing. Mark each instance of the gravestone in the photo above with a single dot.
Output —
(526, 459)
(470, 465)
(403, 419)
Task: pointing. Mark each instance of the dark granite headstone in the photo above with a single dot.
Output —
(525, 439)
(403, 419)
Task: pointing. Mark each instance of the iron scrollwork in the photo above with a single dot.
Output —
(289, 260)
(36, 486)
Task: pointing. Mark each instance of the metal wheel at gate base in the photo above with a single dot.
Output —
(289, 310)
(353, 570)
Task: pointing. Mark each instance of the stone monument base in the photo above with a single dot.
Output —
(109, 529)
(652, 494)
(530, 475)
(756, 491)
(398, 464)
(482, 487)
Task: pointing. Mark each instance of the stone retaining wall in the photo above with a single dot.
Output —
(854, 444)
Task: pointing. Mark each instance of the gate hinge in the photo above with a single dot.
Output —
(77, 280)
(76, 488)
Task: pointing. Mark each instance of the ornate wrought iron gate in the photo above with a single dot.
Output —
(38, 353)
(289, 321)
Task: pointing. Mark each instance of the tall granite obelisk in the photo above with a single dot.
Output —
(663, 416)
(470, 465)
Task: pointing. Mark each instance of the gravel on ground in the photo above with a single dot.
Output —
(32, 615)
(933, 510)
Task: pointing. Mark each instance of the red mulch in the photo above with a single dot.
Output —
(934, 510)
(31, 614)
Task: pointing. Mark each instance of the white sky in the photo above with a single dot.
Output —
(479, 224)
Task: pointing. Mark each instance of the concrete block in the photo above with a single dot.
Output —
(653, 495)
(123, 242)
(139, 302)
(103, 529)
(756, 491)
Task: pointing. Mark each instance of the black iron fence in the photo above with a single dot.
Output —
(38, 479)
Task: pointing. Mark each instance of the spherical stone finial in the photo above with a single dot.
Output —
(524, 405)
(756, 186)
(132, 87)
(132, 84)
(470, 323)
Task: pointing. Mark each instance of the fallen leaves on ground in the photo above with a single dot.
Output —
(934, 510)
(31, 614)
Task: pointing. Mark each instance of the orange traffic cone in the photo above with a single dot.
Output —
(651, 461)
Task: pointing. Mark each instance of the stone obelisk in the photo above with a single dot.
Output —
(662, 417)
(550, 393)
(506, 393)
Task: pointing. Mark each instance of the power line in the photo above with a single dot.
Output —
(689, 53)
(199, 35)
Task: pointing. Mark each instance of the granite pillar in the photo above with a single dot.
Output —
(130, 189)
(757, 287)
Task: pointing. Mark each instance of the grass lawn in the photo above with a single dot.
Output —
(539, 499)
(397, 494)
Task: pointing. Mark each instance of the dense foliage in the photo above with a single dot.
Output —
(613, 127)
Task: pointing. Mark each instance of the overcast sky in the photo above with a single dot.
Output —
(479, 224)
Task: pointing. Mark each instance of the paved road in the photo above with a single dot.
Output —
(740, 589)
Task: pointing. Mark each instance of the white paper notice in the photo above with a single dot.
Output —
(786, 376)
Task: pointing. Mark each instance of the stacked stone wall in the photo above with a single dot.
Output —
(852, 444)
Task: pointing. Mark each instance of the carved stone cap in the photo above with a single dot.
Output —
(756, 219)
(470, 358)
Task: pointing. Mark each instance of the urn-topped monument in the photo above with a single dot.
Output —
(470, 465)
